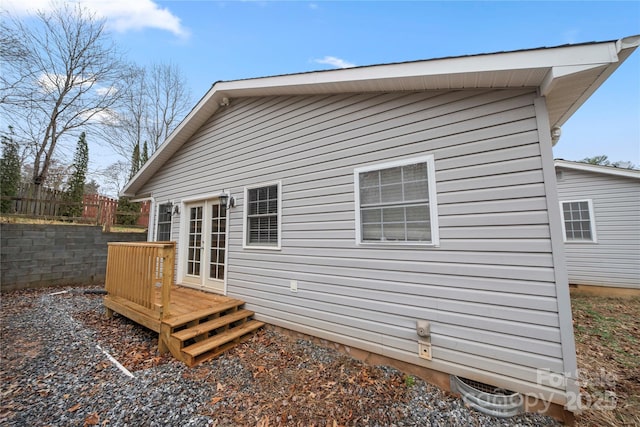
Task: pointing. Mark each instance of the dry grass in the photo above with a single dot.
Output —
(607, 334)
(10, 219)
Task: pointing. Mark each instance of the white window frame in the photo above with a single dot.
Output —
(157, 219)
(592, 222)
(245, 219)
(433, 203)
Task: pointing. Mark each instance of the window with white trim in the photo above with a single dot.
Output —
(578, 221)
(262, 216)
(163, 228)
(396, 202)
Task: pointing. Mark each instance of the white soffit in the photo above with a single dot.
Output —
(565, 75)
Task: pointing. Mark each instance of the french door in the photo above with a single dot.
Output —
(205, 246)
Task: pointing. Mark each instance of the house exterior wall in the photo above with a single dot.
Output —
(489, 289)
(614, 259)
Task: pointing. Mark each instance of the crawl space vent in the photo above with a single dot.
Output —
(488, 399)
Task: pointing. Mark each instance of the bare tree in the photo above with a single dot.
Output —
(169, 101)
(60, 73)
(12, 51)
(153, 103)
(126, 127)
(115, 176)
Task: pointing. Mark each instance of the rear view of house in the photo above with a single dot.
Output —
(405, 210)
(601, 223)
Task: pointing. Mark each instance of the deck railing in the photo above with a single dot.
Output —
(136, 271)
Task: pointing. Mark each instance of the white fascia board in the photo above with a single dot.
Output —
(572, 56)
(555, 73)
(621, 50)
(142, 198)
(607, 170)
(349, 79)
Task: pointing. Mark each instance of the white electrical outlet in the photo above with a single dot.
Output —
(294, 286)
(424, 350)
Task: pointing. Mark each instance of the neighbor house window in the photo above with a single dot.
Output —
(164, 222)
(262, 221)
(396, 202)
(578, 221)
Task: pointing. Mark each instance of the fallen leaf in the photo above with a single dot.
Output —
(74, 408)
(219, 387)
(216, 400)
(92, 419)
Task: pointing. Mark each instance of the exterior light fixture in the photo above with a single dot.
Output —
(556, 132)
(227, 201)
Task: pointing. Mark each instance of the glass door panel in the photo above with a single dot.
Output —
(218, 242)
(194, 253)
(205, 246)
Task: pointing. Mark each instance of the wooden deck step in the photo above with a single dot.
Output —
(189, 317)
(211, 325)
(213, 343)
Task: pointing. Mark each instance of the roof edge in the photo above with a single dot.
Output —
(607, 170)
(329, 80)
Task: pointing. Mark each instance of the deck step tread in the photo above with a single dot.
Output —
(192, 361)
(216, 341)
(211, 325)
(183, 319)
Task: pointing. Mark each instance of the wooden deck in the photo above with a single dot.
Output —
(193, 325)
(183, 301)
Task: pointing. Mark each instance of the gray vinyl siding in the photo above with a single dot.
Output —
(614, 260)
(489, 289)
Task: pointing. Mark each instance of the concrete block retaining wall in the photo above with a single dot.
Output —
(39, 255)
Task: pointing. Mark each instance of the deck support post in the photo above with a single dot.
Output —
(163, 338)
(168, 256)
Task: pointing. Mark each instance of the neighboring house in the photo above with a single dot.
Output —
(600, 208)
(370, 198)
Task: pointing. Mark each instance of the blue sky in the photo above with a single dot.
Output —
(231, 40)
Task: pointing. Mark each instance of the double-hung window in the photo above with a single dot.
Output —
(578, 221)
(396, 202)
(163, 230)
(262, 216)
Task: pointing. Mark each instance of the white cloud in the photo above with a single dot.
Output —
(50, 82)
(313, 6)
(104, 117)
(336, 62)
(121, 15)
(102, 91)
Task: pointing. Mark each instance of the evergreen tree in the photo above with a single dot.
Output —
(9, 171)
(135, 160)
(75, 190)
(144, 155)
(92, 187)
(602, 160)
(128, 212)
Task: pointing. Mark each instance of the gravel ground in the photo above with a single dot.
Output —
(54, 373)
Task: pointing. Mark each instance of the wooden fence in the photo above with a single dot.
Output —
(50, 204)
(102, 208)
